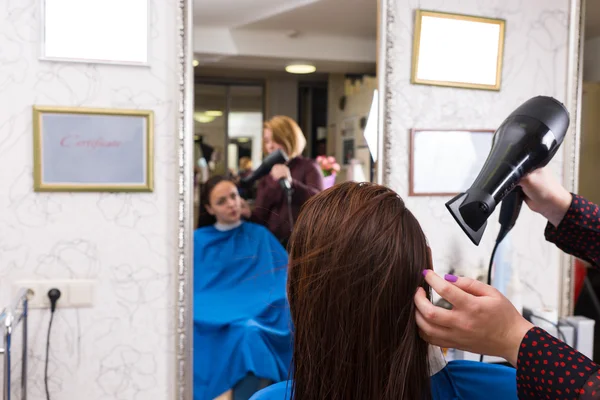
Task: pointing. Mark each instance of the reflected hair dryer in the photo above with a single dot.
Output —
(276, 157)
(527, 140)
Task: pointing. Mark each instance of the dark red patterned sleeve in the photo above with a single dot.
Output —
(550, 369)
(579, 232)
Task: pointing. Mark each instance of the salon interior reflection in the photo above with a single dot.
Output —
(285, 107)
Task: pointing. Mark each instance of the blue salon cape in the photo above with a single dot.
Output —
(459, 380)
(242, 322)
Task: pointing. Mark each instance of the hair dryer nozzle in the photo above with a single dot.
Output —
(455, 206)
(276, 157)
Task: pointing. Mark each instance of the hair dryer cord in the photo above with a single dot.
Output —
(289, 204)
(509, 212)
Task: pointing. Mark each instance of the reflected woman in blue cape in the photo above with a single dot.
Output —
(357, 256)
(242, 324)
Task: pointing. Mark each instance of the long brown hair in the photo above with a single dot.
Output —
(356, 260)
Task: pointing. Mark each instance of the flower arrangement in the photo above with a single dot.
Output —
(328, 165)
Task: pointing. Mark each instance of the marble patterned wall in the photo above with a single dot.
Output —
(535, 63)
(123, 347)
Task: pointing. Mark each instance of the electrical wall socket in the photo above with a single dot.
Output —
(73, 293)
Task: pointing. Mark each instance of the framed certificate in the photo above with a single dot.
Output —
(85, 149)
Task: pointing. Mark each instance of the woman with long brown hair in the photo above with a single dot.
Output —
(303, 175)
(357, 257)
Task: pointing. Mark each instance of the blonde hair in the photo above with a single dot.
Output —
(287, 134)
(245, 163)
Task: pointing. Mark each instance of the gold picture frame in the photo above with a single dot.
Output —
(93, 150)
(452, 54)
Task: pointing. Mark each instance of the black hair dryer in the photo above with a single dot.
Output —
(526, 140)
(276, 157)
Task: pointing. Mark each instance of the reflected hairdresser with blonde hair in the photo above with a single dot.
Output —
(303, 174)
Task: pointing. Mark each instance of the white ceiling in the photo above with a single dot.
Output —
(338, 36)
(234, 13)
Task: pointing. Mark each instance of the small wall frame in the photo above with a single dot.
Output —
(446, 162)
(92, 150)
(96, 31)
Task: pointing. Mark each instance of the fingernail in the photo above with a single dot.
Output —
(425, 271)
(450, 278)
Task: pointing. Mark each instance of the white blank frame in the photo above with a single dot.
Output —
(446, 162)
(96, 31)
(457, 50)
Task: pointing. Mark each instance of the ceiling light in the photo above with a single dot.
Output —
(300, 68)
(203, 118)
(213, 113)
(195, 63)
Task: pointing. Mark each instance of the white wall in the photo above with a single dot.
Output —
(591, 60)
(282, 97)
(535, 63)
(122, 348)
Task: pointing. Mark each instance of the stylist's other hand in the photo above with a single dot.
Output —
(546, 196)
(245, 209)
(481, 321)
(281, 171)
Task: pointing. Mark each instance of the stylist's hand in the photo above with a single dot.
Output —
(481, 321)
(546, 196)
(245, 209)
(281, 171)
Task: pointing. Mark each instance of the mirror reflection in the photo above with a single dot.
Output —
(284, 109)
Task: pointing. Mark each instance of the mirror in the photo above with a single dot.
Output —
(296, 84)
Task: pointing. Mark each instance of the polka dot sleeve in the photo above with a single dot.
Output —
(579, 232)
(550, 369)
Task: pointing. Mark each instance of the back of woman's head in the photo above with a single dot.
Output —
(356, 260)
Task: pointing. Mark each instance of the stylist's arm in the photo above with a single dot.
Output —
(483, 321)
(573, 222)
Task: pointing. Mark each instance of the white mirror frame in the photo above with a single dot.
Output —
(185, 228)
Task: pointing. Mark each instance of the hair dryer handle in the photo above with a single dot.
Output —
(509, 211)
(285, 185)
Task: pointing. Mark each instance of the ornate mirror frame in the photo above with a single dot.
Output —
(571, 145)
(183, 281)
(184, 376)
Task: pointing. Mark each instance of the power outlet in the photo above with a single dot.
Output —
(73, 293)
